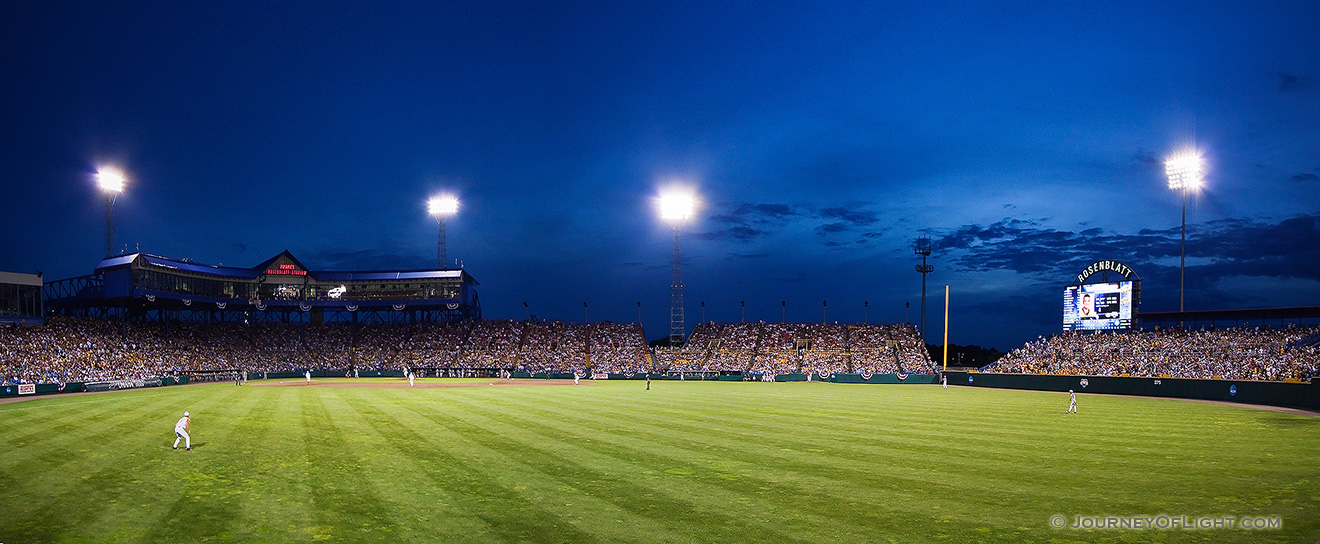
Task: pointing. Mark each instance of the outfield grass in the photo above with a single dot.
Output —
(689, 462)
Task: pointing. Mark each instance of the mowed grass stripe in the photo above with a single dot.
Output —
(535, 459)
(812, 484)
(425, 506)
(697, 482)
(456, 463)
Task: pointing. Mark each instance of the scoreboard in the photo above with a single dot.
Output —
(1097, 306)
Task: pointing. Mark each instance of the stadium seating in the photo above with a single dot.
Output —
(1240, 353)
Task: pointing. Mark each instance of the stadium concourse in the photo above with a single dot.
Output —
(70, 349)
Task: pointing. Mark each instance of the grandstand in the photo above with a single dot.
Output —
(281, 289)
(1257, 353)
(75, 349)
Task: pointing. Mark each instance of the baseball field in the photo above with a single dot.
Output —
(683, 462)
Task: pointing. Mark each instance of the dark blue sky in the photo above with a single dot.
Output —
(1025, 139)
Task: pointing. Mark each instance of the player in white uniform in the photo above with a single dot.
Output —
(576, 377)
(181, 432)
(308, 374)
(944, 381)
(410, 378)
(1072, 402)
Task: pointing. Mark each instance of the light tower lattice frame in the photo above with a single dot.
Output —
(923, 248)
(677, 318)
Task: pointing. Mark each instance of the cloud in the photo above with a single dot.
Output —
(1290, 82)
(831, 228)
(858, 218)
(1304, 176)
(1148, 159)
(1222, 248)
(747, 221)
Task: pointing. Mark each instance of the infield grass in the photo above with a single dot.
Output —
(684, 462)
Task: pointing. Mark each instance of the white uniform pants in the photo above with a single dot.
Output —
(180, 433)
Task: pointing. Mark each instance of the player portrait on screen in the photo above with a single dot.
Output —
(1087, 309)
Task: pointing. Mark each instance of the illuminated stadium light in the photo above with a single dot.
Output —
(1184, 170)
(677, 207)
(110, 179)
(442, 207)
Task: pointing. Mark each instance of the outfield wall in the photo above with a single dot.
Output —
(1299, 395)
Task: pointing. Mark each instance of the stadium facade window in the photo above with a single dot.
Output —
(20, 300)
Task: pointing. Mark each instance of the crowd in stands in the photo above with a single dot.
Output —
(74, 349)
(1239, 353)
(782, 348)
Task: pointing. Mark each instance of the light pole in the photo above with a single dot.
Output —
(1184, 171)
(442, 208)
(923, 249)
(676, 208)
(111, 180)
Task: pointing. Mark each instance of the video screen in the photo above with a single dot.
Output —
(1097, 307)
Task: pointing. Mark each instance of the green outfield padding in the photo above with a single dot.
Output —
(884, 378)
(1252, 392)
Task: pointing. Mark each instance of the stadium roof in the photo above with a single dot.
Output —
(256, 271)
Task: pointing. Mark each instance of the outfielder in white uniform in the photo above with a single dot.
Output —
(181, 432)
(410, 378)
(1072, 402)
(308, 374)
(944, 381)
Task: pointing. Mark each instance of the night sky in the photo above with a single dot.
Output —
(1026, 140)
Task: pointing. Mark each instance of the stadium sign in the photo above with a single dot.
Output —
(27, 389)
(115, 385)
(1105, 266)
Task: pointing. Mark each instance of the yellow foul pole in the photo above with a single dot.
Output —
(946, 328)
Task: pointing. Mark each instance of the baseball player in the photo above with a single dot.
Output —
(1072, 402)
(576, 377)
(308, 374)
(181, 432)
(944, 381)
(648, 381)
(410, 378)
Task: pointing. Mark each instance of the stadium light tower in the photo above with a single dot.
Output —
(923, 248)
(1184, 170)
(442, 208)
(676, 208)
(111, 180)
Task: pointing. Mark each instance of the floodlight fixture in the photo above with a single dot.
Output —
(111, 180)
(442, 207)
(1184, 170)
(676, 207)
